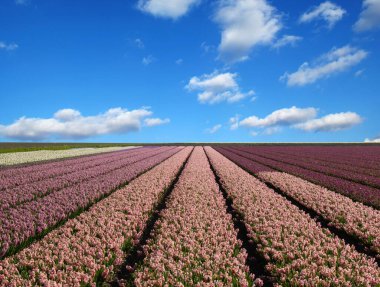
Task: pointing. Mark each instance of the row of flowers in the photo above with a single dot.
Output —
(194, 241)
(299, 252)
(358, 192)
(325, 168)
(356, 219)
(40, 155)
(35, 217)
(20, 175)
(335, 160)
(363, 156)
(32, 191)
(91, 247)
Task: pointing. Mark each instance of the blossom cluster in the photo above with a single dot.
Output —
(194, 242)
(299, 251)
(90, 248)
(356, 219)
(71, 176)
(22, 222)
(358, 192)
(41, 155)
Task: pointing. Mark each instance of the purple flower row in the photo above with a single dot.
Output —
(362, 193)
(28, 192)
(30, 219)
(299, 252)
(324, 168)
(17, 176)
(331, 162)
(354, 218)
(93, 244)
(367, 157)
(194, 243)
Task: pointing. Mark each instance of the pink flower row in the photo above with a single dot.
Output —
(16, 176)
(355, 218)
(299, 252)
(90, 248)
(28, 192)
(359, 192)
(194, 243)
(32, 218)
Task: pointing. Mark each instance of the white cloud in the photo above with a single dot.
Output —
(152, 122)
(179, 61)
(327, 11)
(373, 140)
(148, 60)
(213, 129)
(300, 118)
(286, 40)
(139, 43)
(332, 122)
(67, 115)
(245, 24)
(287, 116)
(167, 8)
(217, 87)
(69, 123)
(369, 17)
(8, 47)
(335, 61)
(234, 121)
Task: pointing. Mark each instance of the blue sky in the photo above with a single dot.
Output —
(189, 71)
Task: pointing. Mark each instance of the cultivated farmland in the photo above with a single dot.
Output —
(223, 215)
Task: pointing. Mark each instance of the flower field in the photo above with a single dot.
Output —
(223, 215)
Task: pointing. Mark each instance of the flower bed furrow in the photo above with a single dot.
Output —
(354, 176)
(194, 242)
(358, 192)
(42, 155)
(359, 221)
(25, 193)
(299, 251)
(21, 223)
(90, 248)
(14, 177)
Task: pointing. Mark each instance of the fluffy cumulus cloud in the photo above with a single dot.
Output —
(214, 129)
(332, 122)
(281, 117)
(71, 124)
(217, 87)
(245, 24)
(305, 119)
(8, 47)
(167, 8)
(326, 11)
(335, 61)
(286, 40)
(369, 17)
